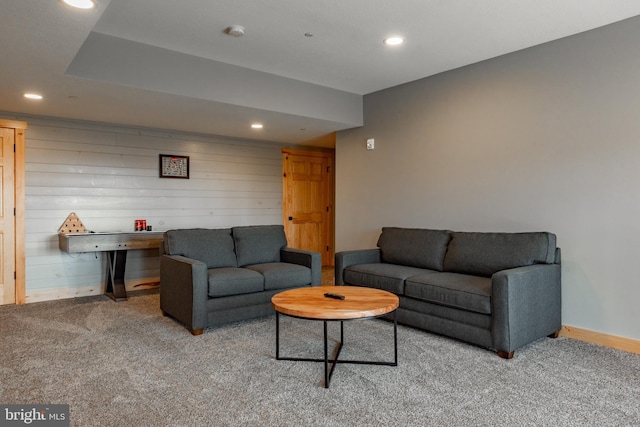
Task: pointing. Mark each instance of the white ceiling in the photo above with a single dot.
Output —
(167, 64)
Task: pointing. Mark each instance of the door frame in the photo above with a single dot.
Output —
(330, 215)
(19, 128)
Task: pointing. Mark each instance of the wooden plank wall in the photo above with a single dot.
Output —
(108, 176)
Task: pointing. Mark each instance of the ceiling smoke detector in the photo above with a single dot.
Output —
(234, 31)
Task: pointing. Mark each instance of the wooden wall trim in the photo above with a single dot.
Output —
(20, 189)
(311, 151)
(620, 343)
(15, 124)
(19, 128)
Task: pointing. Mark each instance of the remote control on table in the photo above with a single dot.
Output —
(334, 296)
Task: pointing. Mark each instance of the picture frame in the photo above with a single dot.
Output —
(173, 166)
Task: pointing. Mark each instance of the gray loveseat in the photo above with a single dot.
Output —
(496, 290)
(210, 277)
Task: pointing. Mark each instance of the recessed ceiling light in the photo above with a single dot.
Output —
(393, 41)
(257, 126)
(32, 96)
(80, 4)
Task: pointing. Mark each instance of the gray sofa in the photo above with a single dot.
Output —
(210, 277)
(496, 290)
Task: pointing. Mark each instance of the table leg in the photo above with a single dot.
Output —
(395, 338)
(116, 263)
(277, 335)
(328, 370)
(326, 358)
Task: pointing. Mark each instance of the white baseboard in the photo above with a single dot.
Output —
(39, 295)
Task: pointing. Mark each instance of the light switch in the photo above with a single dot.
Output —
(371, 143)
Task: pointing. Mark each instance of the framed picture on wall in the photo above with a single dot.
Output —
(172, 166)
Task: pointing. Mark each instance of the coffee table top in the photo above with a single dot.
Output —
(359, 302)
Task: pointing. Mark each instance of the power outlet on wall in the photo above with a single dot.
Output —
(371, 144)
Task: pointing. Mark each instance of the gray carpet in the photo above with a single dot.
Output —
(124, 364)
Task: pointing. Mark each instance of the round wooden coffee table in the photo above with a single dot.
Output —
(358, 303)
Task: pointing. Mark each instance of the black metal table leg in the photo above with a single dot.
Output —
(277, 335)
(395, 338)
(328, 371)
(115, 287)
(328, 374)
(326, 358)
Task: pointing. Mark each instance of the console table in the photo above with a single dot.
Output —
(116, 245)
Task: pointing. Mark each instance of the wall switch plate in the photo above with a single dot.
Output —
(371, 143)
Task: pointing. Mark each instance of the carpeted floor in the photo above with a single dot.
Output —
(124, 364)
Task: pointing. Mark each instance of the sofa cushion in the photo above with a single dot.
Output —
(258, 244)
(233, 281)
(486, 253)
(414, 247)
(462, 291)
(388, 277)
(214, 247)
(282, 275)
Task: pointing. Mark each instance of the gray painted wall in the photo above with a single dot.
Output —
(542, 139)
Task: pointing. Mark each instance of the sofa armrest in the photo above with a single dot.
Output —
(184, 290)
(361, 256)
(310, 259)
(526, 305)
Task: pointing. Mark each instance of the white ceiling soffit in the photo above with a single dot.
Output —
(128, 63)
(167, 64)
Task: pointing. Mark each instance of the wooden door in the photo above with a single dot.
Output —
(11, 212)
(308, 201)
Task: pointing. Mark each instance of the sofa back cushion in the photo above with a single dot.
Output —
(483, 254)
(258, 244)
(214, 247)
(414, 247)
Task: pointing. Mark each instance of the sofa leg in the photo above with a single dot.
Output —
(554, 335)
(505, 354)
(197, 331)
